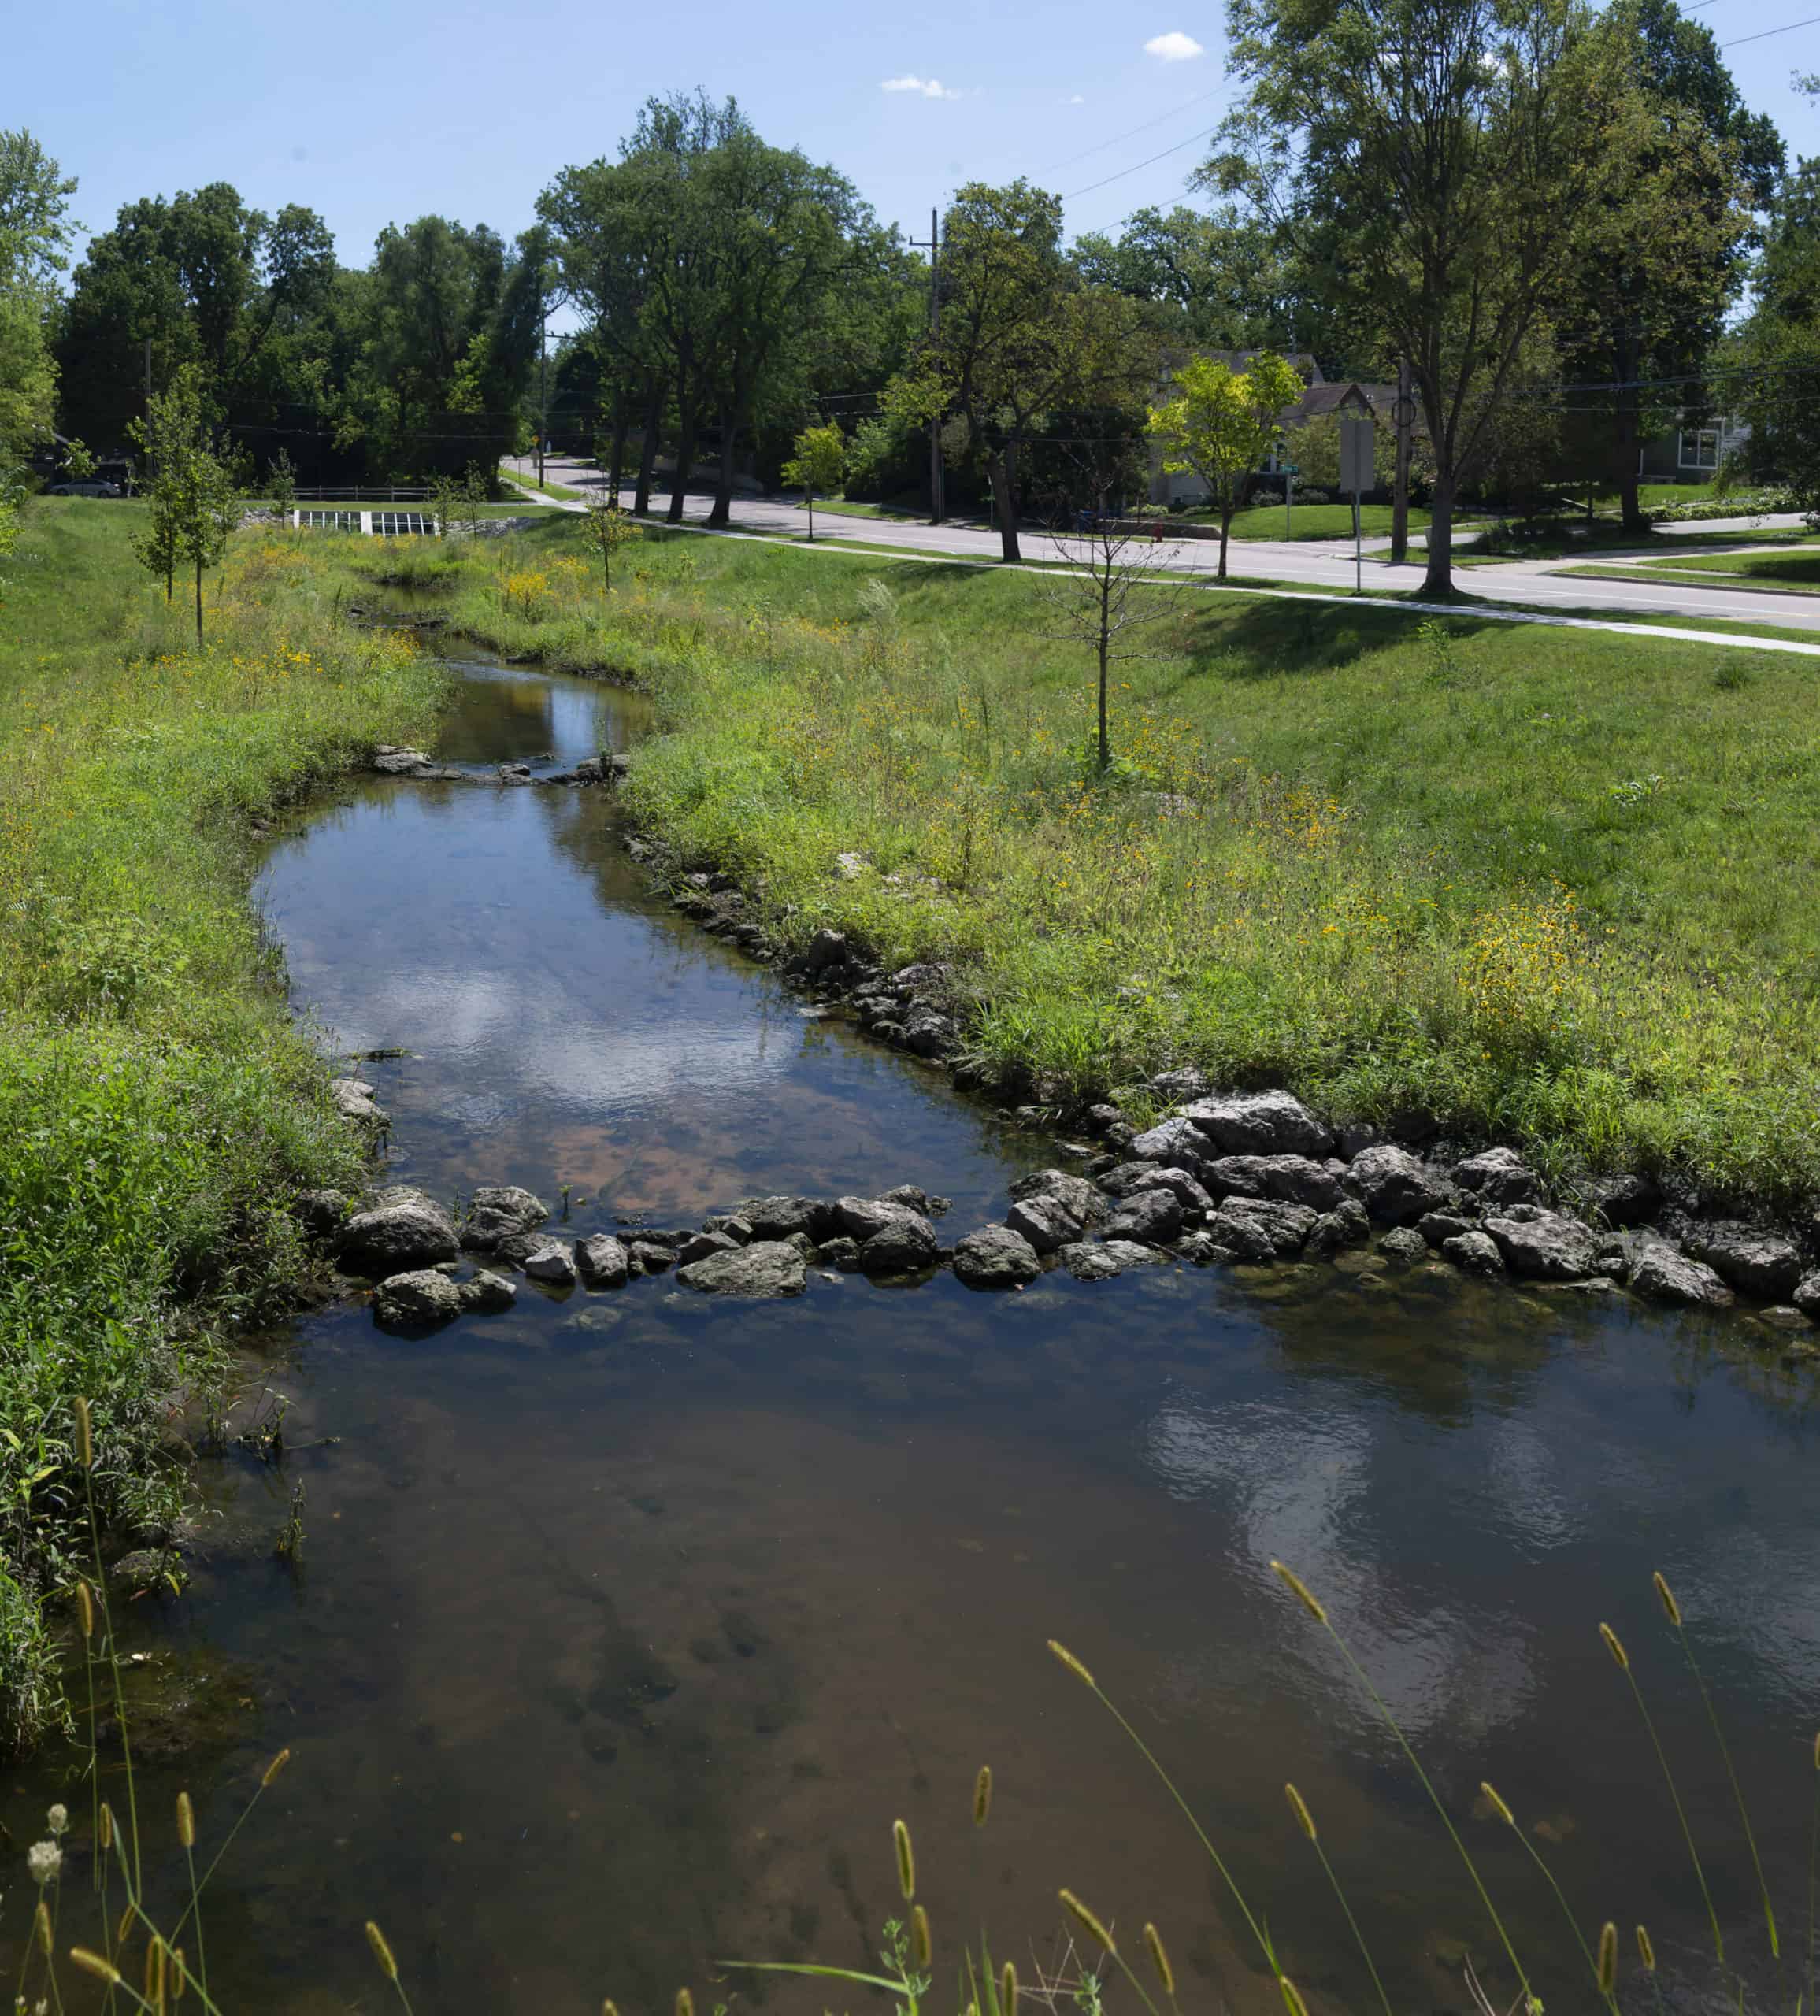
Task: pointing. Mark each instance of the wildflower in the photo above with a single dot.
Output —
(57, 1820)
(43, 1860)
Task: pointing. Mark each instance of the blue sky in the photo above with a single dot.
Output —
(378, 111)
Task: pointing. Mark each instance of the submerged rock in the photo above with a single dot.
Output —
(1402, 1242)
(488, 1293)
(423, 1296)
(1087, 1261)
(403, 1228)
(766, 1267)
(995, 1257)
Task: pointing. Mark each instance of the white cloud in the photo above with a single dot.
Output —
(923, 87)
(1077, 99)
(1174, 47)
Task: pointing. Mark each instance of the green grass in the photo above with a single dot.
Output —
(840, 507)
(560, 491)
(1307, 520)
(1690, 574)
(1533, 879)
(157, 1108)
(1797, 569)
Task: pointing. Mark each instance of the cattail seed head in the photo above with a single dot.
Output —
(982, 1795)
(1645, 1951)
(186, 1821)
(1299, 1805)
(906, 1861)
(1498, 1806)
(1008, 1990)
(92, 1963)
(921, 1951)
(271, 1770)
(1087, 1922)
(685, 2003)
(1291, 1580)
(381, 1952)
(41, 1925)
(1669, 1606)
(1608, 1958)
(1159, 1959)
(1073, 1664)
(84, 1434)
(1291, 1996)
(85, 1610)
(1615, 1646)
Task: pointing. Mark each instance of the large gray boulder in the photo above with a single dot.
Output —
(995, 1257)
(1148, 1216)
(864, 1217)
(1543, 1246)
(1663, 1273)
(1260, 1124)
(766, 1267)
(543, 1258)
(1128, 1253)
(1086, 1262)
(901, 1246)
(498, 1211)
(698, 1245)
(1083, 1198)
(1473, 1253)
(1045, 1220)
(603, 1260)
(402, 1228)
(1394, 1187)
(927, 1032)
(1806, 1295)
(1262, 1229)
(1178, 1141)
(1500, 1176)
(421, 1296)
(320, 1212)
(775, 1218)
(1293, 1178)
(1756, 1263)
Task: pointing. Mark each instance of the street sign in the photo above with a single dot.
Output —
(1356, 473)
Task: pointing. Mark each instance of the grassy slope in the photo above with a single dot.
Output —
(1539, 881)
(157, 1107)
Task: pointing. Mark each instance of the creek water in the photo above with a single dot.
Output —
(625, 1624)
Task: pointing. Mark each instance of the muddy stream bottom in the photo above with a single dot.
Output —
(625, 1624)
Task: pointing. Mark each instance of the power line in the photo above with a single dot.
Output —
(1143, 126)
(1069, 196)
(1762, 35)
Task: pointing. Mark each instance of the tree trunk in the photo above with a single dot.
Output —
(1439, 580)
(198, 605)
(808, 499)
(1105, 739)
(722, 513)
(685, 456)
(1225, 522)
(616, 463)
(1002, 472)
(641, 503)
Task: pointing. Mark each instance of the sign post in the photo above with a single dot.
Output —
(1356, 441)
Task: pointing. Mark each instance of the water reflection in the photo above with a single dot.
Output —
(627, 1623)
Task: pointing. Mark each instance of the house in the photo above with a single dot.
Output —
(1693, 451)
(1322, 397)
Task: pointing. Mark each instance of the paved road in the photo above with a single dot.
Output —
(1315, 563)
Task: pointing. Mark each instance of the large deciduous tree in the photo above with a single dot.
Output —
(1450, 151)
(34, 232)
(1024, 342)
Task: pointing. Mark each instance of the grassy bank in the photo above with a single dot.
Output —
(1537, 881)
(157, 1107)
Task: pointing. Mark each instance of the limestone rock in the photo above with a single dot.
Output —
(1757, 1263)
(1152, 1216)
(1500, 1176)
(403, 1228)
(603, 1260)
(1473, 1253)
(1395, 1188)
(353, 1100)
(995, 1257)
(319, 1212)
(1543, 1246)
(488, 1293)
(1262, 1229)
(1178, 1142)
(421, 1296)
(1664, 1274)
(1403, 1243)
(1294, 1179)
(1045, 1220)
(1084, 1200)
(900, 1247)
(1260, 1124)
(1087, 1261)
(766, 1267)
(1192, 1196)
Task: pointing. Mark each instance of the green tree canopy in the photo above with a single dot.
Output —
(1221, 423)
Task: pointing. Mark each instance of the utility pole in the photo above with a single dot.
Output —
(542, 387)
(937, 511)
(1403, 417)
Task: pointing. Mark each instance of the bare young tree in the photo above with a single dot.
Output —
(1112, 580)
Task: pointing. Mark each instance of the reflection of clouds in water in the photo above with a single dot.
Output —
(1522, 1470)
(536, 1043)
(1304, 1487)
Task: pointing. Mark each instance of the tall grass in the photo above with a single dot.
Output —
(157, 1108)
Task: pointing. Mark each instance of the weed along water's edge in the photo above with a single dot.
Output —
(609, 1626)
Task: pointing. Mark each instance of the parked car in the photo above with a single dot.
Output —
(92, 487)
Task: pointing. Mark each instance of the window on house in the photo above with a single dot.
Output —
(1699, 448)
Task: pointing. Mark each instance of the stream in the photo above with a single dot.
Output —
(625, 1625)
